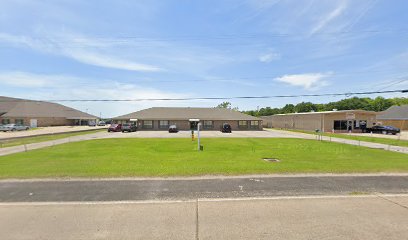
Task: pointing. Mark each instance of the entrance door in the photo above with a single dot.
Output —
(33, 123)
(193, 125)
(349, 125)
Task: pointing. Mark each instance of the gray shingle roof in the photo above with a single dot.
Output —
(394, 113)
(170, 113)
(13, 107)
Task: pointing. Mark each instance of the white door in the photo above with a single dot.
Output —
(33, 123)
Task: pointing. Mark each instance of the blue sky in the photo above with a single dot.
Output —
(178, 48)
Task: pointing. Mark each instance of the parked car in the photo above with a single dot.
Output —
(115, 128)
(173, 129)
(101, 123)
(226, 128)
(92, 123)
(13, 127)
(384, 129)
(128, 127)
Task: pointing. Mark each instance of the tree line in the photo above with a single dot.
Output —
(377, 104)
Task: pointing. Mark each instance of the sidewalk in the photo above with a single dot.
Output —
(346, 141)
(374, 217)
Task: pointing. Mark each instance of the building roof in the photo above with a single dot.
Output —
(14, 107)
(394, 113)
(185, 113)
(323, 112)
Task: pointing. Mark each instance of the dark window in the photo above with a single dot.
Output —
(5, 121)
(340, 125)
(19, 121)
(148, 124)
(254, 124)
(243, 124)
(163, 124)
(208, 124)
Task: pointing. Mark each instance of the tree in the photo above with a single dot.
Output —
(224, 105)
(305, 107)
(381, 104)
(288, 108)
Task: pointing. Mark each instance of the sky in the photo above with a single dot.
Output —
(72, 49)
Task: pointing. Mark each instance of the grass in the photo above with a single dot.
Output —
(44, 138)
(388, 141)
(179, 157)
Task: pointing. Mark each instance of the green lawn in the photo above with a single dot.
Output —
(388, 141)
(179, 157)
(35, 139)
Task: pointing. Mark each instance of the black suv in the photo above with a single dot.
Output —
(127, 127)
(226, 128)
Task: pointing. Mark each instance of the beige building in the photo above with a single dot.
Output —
(160, 118)
(40, 114)
(396, 116)
(337, 121)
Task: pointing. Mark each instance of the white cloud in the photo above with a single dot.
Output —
(269, 57)
(309, 81)
(339, 10)
(31, 80)
(51, 87)
(84, 50)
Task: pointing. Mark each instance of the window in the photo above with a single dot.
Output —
(148, 124)
(208, 125)
(163, 124)
(340, 125)
(360, 124)
(5, 121)
(19, 121)
(254, 124)
(242, 124)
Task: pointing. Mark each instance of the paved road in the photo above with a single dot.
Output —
(179, 189)
(362, 217)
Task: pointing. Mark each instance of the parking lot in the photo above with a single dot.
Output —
(402, 136)
(47, 130)
(204, 134)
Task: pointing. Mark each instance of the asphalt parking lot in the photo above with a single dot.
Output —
(204, 134)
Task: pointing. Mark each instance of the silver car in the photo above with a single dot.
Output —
(13, 127)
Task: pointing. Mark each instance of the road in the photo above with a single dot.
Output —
(184, 189)
(258, 207)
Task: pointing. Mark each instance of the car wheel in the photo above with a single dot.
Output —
(13, 130)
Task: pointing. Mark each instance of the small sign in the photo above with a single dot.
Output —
(350, 116)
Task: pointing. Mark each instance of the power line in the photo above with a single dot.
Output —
(215, 98)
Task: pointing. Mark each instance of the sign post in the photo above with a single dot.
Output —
(198, 136)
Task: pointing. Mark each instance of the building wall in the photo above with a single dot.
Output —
(401, 124)
(43, 122)
(185, 125)
(313, 121)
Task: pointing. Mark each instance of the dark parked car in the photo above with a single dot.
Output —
(115, 128)
(384, 129)
(128, 127)
(226, 128)
(173, 129)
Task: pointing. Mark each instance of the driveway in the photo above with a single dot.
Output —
(47, 130)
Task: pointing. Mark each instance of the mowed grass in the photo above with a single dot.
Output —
(179, 157)
(44, 138)
(388, 141)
